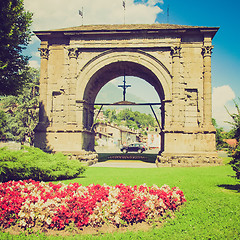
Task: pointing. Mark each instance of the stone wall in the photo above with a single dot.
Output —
(201, 160)
(11, 145)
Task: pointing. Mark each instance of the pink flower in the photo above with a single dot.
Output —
(57, 205)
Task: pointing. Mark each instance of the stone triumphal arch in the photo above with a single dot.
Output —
(77, 62)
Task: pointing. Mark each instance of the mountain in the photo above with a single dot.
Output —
(111, 94)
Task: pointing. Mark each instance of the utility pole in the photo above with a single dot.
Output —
(124, 9)
(80, 12)
(168, 14)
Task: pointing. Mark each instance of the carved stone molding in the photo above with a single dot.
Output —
(44, 53)
(207, 51)
(175, 51)
(73, 52)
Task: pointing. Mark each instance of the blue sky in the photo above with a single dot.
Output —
(226, 52)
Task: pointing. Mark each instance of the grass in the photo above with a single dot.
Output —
(212, 210)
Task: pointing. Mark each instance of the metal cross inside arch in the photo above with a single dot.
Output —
(124, 86)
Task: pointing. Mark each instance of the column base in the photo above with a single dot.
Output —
(188, 160)
(76, 144)
(64, 140)
(88, 158)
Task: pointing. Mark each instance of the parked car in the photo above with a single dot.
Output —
(134, 147)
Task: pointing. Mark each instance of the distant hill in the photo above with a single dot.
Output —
(111, 94)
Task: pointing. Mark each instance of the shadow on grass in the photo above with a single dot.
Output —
(145, 157)
(235, 187)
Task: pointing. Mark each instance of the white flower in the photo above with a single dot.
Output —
(48, 221)
(32, 215)
(22, 223)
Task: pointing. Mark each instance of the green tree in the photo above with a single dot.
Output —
(129, 118)
(236, 121)
(230, 134)
(111, 115)
(235, 162)
(219, 135)
(22, 110)
(3, 120)
(235, 132)
(15, 34)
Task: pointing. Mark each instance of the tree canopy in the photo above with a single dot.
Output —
(129, 118)
(235, 133)
(220, 135)
(15, 34)
(236, 121)
(19, 114)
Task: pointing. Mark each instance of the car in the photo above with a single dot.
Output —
(134, 147)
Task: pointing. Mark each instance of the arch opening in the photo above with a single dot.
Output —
(118, 126)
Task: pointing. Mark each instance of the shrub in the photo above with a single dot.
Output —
(33, 163)
(235, 162)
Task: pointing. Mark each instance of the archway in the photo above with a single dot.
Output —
(118, 125)
(175, 60)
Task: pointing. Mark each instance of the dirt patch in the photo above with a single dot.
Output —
(143, 226)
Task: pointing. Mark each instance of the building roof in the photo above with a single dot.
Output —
(129, 28)
(120, 128)
(231, 142)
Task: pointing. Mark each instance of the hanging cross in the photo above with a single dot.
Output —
(124, 86)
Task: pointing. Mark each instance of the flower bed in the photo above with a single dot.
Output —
(127, 157)
(31, 203)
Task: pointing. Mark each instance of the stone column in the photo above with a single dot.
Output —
(84, 122)
(44, 53)
(166, 109)
(207, 87)
(175, 52)
(79, 113)
(90, 117)
(73, 55)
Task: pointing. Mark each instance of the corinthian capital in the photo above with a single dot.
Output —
(207, 51)
(73, 52)
(44, 53)
(175, 51)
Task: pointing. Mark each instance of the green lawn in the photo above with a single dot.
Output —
(212, 210)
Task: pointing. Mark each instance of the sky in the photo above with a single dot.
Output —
(54, 14)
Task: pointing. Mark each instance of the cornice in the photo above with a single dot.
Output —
(128, 29)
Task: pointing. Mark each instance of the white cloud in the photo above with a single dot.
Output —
(56, 14)
(34, 39)
(35, 54)
(34, 64)
(153, 2)
(223, 97)
(59, 14)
